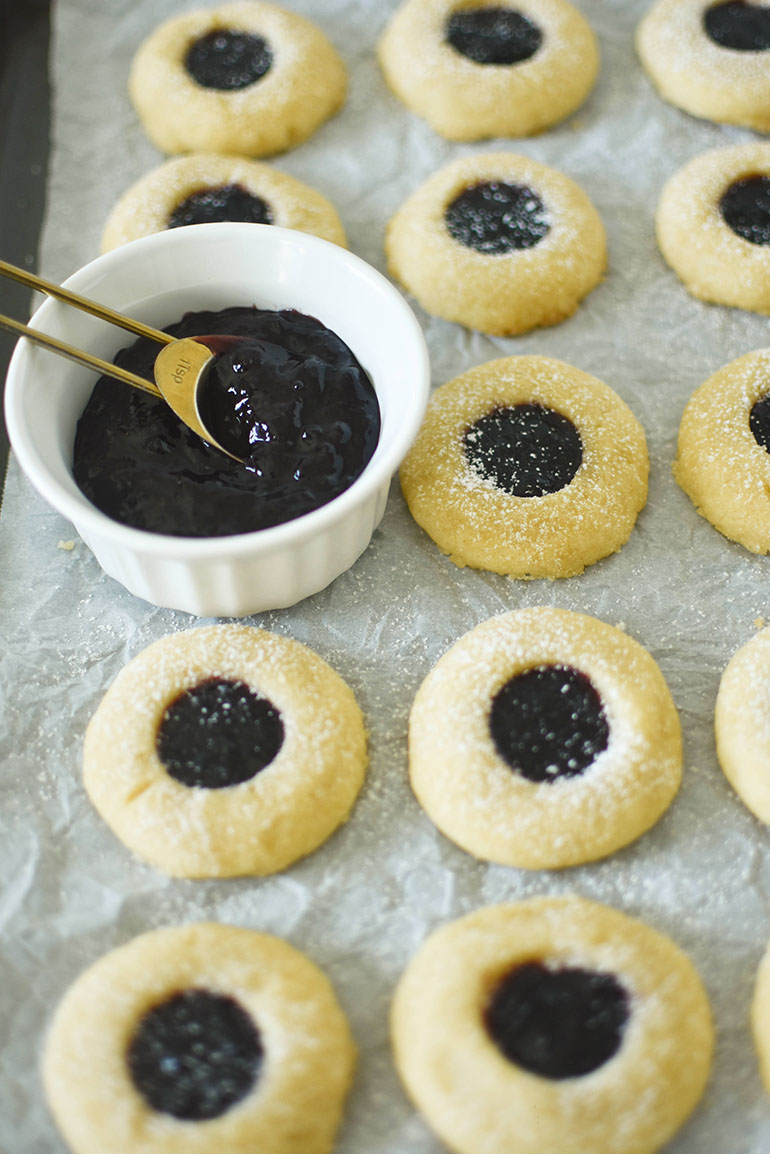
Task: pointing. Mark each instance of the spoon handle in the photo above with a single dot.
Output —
(83, 303)
(78, 355)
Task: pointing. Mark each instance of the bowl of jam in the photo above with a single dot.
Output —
(321, 394)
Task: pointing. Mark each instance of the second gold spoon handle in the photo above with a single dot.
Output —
(83, 303)
(78, 355)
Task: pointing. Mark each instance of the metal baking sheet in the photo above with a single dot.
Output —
(362, 904)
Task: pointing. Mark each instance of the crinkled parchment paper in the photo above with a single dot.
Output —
(361, 905)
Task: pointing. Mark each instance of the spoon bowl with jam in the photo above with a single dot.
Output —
(180, 370)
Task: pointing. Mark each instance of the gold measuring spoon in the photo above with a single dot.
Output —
(179, 368)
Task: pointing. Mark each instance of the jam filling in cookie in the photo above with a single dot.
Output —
(745, 208)
(225, 202)
(495, 217)
(218, 733)
(195, 1055)
(759, 421)
(525, 450)
(493, 35)
(738, 25)
(199, 1038)
(228, 60)
(308, 420)
(548, 722)
(557, 1022)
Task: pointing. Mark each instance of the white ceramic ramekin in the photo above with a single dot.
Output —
(157, 279)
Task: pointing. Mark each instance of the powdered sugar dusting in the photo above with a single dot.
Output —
(147, 206)
(720, 464)
(558, 533)
(698, 74)
(481, 803)
(260, 825)
(467, 101)
(305, 84)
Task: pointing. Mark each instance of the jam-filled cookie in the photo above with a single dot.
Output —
(740, 722)
(225, 750)
(711, 59)
(494, 68)
(498, 242)
(198, 1039)
(247, 77)
(527, 466)
(543, 739)
(713, 226)
(552, 1026)
(723, 458)
(206, 187)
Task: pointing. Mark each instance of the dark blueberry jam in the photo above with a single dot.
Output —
(557, 1022)
(228, 60)
(738, 25)
(548, 722)
(525, 450)
(195, 1055)
(745, 208)
(218, 733)
(493, 35)
(225, 202)
(311, 418)
(494, 217)
(759, 421)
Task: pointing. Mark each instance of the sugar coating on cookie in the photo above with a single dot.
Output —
(544, 738)
(196, 1039)
(499, 243)
(723, 456)
(552, 1026)
(710, 59)
(527, 466)
(247, 77)
(502, 68)
(742, 724)
(223, 751)
(713, 226)
(207, 187)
